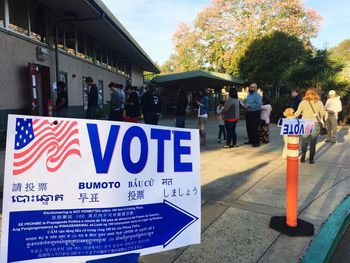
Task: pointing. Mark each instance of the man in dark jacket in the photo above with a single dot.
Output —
(92, 93)
(295, 99)
(181, 109)
(132, 105)
(151, 106)
(61, 101)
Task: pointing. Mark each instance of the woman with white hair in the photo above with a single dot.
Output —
(333, 107)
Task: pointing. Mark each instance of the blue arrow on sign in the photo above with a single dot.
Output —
(175, 221)
(90, 232)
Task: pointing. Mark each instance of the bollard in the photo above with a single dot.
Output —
(292, 181)
(49, 108)
(290, 224)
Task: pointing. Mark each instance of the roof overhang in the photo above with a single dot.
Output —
(106, 29)
(198, 79)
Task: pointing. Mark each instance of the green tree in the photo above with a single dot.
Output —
(341, 54)
(266, 60)
(316, 69)
(341, 51)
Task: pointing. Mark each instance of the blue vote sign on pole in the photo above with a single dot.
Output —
(296, 126)
(83, 190)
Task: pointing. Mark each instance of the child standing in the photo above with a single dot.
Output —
(288, 113)
(221, 121)
(265, 120)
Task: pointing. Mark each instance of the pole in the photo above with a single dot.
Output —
(290, 224)
(56, 38)
(56, 53)
(292, 181)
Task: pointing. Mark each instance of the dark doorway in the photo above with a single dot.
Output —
(39, 81)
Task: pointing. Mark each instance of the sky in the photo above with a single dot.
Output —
(153, 22)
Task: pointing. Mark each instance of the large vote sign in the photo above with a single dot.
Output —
(296, 126)
(78, 190)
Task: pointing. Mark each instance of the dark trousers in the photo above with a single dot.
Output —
(91, 112)
(151, 118)
(180, 121)
(253, 119)
(231, 132)
(222, 131)
(312, 139)
(116, 115)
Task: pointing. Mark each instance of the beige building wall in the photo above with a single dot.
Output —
(15, 54)
(136, 76)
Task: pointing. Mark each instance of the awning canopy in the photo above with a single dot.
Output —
(195, 80)
(105, 28)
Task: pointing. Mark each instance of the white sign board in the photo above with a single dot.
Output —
(296, 127)
(78, 190)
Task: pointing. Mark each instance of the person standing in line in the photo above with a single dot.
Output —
(61, 101)
(312, 109)
(203, 115)
(295, 99)
(151, 105)
(333, 107)
(253, 107)
(122, 95)
(92, 93)
(231, 117)
(132, 105)
(221, 121)
(181, 109)
(265, 120)
(116, 103)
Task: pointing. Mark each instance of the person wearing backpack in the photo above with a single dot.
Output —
(151, 106)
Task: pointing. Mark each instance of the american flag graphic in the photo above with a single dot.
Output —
(36, 138)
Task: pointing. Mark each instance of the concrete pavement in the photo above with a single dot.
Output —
(243, 187)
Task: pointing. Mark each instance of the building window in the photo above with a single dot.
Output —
(121, 67)
(128, 70)
(60, 37)
(81, 45)
(18, 10)
(2, 12)
(111, 62)
(89, 49)
(98, 55)
(37, 22)
(70, 39)
(104, 57)
(116, 63)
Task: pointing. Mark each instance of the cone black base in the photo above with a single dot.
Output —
(303, 228)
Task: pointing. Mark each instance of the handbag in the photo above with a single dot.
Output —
(323, 128)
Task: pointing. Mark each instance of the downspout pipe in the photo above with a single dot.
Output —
(56, 37)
